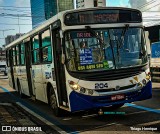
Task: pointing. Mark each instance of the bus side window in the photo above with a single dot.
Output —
(46, 46)
(35, 50)
(14, 55)
(22, 56)
(17, 54)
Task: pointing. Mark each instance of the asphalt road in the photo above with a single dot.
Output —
(140, 117)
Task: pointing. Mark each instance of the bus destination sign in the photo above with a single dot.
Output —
(102, 17)
(98, 17)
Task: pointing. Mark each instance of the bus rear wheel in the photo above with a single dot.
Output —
(53, 103)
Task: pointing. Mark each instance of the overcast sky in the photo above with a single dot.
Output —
(10, 7)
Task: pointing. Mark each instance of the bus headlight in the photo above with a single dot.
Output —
(144, 82)
(148, 77)
(73, 85)
(90, 91)
(82, 90)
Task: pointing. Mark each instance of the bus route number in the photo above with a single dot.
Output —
(101, 85)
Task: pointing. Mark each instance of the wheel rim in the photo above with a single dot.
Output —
(53, 102)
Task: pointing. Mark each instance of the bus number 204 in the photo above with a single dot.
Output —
(101, 85)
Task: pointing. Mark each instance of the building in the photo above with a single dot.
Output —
(90, 3)
(65, 5)
(50, 8)
(11, 38)
(37, 12)
(44, 9)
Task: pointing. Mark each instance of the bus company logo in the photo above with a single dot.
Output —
(117, 88)
(6, 128)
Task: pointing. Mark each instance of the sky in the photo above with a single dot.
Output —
(9, 23)
(21, 8)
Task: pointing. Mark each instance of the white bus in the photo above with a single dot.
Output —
(83, 59)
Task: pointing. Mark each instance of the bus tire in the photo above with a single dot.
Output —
(116, 106)
(19, 89)
(53, 103)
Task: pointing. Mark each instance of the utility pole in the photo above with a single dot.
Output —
(18, 23)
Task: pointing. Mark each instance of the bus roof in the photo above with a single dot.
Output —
(57, 17)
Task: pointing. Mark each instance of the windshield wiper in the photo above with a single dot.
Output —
(123, 34)
(94, 34)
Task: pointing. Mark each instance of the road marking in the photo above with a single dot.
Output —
(90, 115)
(66, 119)
(63, 128)
(149, 123)
(144, 108)
(139, 112)
(94, 128)
(42, 119)
(6, 104)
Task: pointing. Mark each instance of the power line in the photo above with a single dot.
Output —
(15, 7)
(22, 11)
(151, 7)
(13, 24)
(150, 2)
(7, 17)
(20, 15)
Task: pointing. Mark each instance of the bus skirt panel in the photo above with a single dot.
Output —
(83, 102)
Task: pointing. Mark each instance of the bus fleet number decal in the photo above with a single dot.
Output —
(101, 85)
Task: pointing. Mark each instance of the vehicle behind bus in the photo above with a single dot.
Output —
(3, 67)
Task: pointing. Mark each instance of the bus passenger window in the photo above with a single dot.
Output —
(46, 47)
(17, 54)
(35, 50)
(22, 54)
(14, 55)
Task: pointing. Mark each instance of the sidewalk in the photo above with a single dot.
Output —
(156, 85)
(13, 121)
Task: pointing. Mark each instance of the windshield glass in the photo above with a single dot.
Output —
(104, 49)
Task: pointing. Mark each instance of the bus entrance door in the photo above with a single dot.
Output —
(11, 69)
(28, 66)
(59, 69)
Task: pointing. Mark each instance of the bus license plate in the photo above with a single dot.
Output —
(117, 97)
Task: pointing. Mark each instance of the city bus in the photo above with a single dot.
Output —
(83, 59)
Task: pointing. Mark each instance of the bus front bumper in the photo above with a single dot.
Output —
(83, 102)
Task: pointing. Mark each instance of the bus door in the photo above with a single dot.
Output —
(22, 70)
(10, 70)
(37, 73)
(59, 68)
(29, 67)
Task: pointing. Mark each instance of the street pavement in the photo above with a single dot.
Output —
(141, 117)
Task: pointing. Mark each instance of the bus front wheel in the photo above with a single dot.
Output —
(53, 103)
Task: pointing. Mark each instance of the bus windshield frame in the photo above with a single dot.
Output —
(110, 49)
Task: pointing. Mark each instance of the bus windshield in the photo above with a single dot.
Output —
(105, 49)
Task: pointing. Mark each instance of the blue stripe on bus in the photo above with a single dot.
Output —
(67, 129)
(143, 108)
